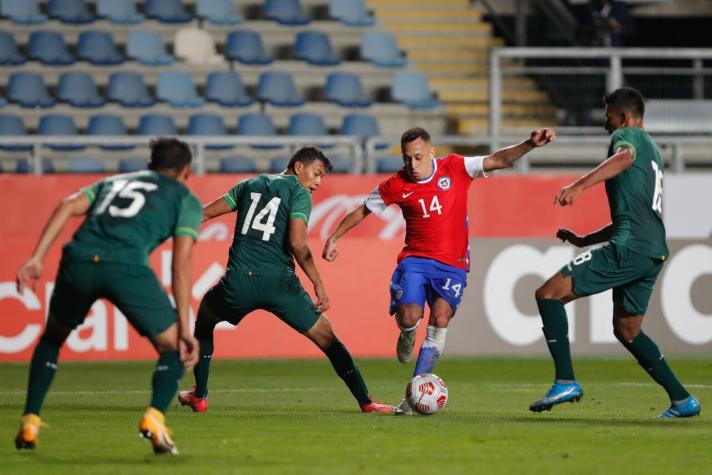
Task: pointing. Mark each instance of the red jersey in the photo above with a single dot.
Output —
(434, 209)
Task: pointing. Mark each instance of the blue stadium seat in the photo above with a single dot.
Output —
(308, 123)
(23, 12)
(341, 163)
(278, 164)
(70, 11)
(98, 48)
(351, 13)
(86, 165)
(147, 47)
(361, 125)
(346, 90)
(237, 165)
(277, 88)
(120, 12)
(177, 88)
(59, 124)
(129, 90)
(129, 165)
(218, 12)
(108, 124)
(157, 124)
(380, 48)
(49, 47)
(9, 53)
(257, 124)
(246, 47)
(23, 165)
(315, 48)
(226, 88)
(390, 164)
(28, 90)
(78, 89)
(13, 125)
(286, 12)
(168, 11)
(411, 88)
(208, 124)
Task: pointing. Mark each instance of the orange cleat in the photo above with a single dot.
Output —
(29, 434)
(152, 427)
(188, 398)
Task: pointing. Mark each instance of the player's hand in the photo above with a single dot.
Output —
(541, 137)
(322, 300)
(189, 351)
(568, 194)
(28, 274)
(330, 252)
(570, 236)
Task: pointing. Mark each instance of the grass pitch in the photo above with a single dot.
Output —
(296, 417)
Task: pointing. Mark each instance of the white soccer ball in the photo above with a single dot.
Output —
(426, 393)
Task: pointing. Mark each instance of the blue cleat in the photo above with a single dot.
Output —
(690, 407)
(559, 392)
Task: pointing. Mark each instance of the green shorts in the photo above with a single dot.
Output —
(134, 289)
(631, 275)
(236, 295)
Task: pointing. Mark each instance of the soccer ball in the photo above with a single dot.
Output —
(426, 393)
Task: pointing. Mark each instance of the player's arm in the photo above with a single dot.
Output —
(350, 221)
(615, 165)
(181, 271)
(217, 208)
(601, 235)
(506, 157)
(77, 204)
(302, 254)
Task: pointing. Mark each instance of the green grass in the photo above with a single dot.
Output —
(296, 417)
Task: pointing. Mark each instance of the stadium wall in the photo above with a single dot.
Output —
(511, 220)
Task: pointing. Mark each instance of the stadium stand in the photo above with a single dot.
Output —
(278, 88)
(237, 165)
(78, 89)
(381, 49)
(97, 47)
(226, 88)
(168, 11)
(12, 125)
(346, 90)
(121, 12)
(28, 90)
(208, 124)
(108, 124)
(128, 165)
(70, 11)
(48, 47)
(257, 124)
(59, 124)
(85, 165)
(315, 48)
(23, 12)
(246, 47)
(9, 53)
(157, 124)
(218, 12)
(177, 88)
(286, 12)
(147, 47)
(196, 46)
(351, 13)
(129, 90)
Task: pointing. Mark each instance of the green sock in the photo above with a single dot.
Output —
(202, 369)
(42, 369)
(348, 371)
(166, 378)
(649, 357)
(556, 331)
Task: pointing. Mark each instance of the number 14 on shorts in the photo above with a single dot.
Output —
(457, 288)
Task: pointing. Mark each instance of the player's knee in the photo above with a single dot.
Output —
(408, 317)
(204, 328)
(440, 320)
(55, 332)
(165, 344)
(546, 292)
(625, 333)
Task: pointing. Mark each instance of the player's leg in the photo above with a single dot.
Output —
(407, 318)
(408, 294)
(432, 347)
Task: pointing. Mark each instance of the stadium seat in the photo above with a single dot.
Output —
(49, 47)
(28, 90)
(390, 164)
(308, 123)
(129, 90)
(168, 11)
(380, 48)
(129, 165)
(13, 125)
(59, 124)
(218, 12)
(278, 164)
(23, 12)
(226, 88)
(208, 124)
(237, 165)
(177, 88)
(315, 48)
(257, 124)
(361, 125)
(98, 48)
(286, 12)
(78, 89)
(147, 47)
(70, 11)
(341, 163)
(196, 46)
(23, 165)
(9, 53)
(246, 47)
(411, 88)
(85, 165)
(277, 88)
(157, 124)
(108, 124)
(351, 13)
(346, 90)
(120, 12)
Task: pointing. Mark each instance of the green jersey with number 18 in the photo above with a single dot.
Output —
(265, 204)
(636, 195)
(131, 214)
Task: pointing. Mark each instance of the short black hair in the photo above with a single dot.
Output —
(626, 99)
(169, 154)
(307, 155)
(414, 134)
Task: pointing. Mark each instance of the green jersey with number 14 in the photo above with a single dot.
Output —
(636, 195)
(265, 204)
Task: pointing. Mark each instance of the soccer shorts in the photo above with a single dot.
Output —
(631, 275)
(417, 280)
(236, 295)
(134, 289)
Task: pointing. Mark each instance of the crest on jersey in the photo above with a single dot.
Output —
(444, 183)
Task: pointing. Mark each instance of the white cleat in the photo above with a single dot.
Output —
(403, 409)
(404, 347)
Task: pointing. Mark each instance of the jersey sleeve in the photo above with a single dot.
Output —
(92, 191)
(375, 202)
(301, 205)
(475, 166)
(190, 215)
(627, 138)
(233, 195)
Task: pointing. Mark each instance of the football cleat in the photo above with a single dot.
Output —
(188, 398)
(559, 392)
(404, 347)
(152, 427)
(29, 434)
(377, 407)
(403, 408)
(688, 408)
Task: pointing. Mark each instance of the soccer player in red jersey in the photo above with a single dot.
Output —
(433, 265)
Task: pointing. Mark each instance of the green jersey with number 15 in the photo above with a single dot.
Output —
(636, 195)
(265, 204)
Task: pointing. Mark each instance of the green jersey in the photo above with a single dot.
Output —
(636, 195)
(131, 214)
(264, 206)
